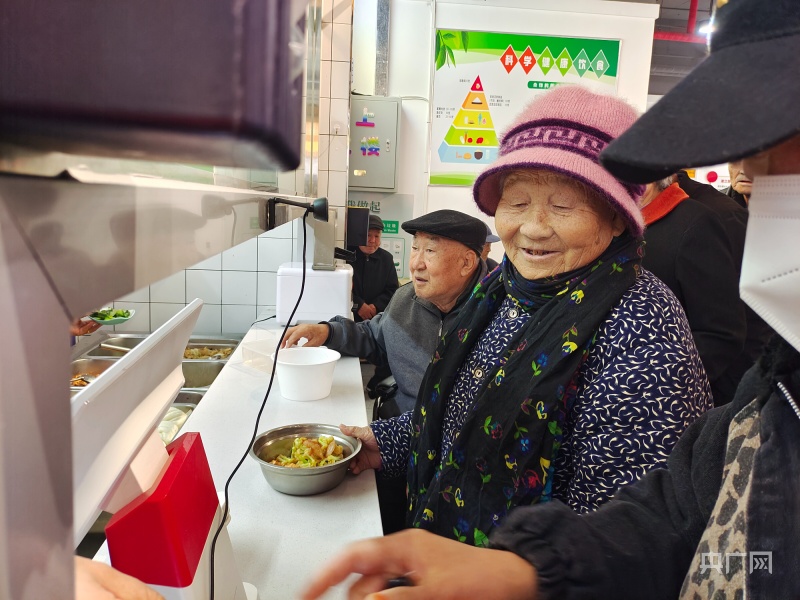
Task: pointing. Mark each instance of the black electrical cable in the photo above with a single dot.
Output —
(261, 410)
(261, 320)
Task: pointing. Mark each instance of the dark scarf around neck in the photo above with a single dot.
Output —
(504, 454)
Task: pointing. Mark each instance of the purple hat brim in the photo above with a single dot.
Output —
(486, 190)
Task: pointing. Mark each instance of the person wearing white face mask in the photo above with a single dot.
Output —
(721, 520)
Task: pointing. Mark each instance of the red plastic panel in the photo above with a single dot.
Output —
(159, 537)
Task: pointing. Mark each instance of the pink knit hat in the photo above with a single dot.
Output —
(564, 131)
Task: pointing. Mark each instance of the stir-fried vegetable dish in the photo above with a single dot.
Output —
(311, 453)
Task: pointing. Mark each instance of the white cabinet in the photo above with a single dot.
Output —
(374, 129)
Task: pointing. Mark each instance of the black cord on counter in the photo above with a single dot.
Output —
(264, 319)
(261, 410)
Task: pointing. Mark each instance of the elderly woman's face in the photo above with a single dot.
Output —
(549, 226)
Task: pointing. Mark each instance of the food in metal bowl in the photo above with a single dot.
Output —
(303, 481)
(308, 453)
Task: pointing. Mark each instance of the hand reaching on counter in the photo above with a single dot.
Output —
(97, 581)
(316, 334)
(436, 567)
(370, 456)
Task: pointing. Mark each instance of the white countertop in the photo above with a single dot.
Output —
(280, 541)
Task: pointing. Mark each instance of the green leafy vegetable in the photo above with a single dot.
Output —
(107, 314)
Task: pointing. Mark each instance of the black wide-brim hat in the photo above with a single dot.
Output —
(742, 99)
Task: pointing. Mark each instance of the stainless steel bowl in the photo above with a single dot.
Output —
(301, 481)
(201, 373)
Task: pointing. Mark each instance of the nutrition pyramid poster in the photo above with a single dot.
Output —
(482, 80)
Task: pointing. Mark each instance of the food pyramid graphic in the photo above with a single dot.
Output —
(471, 137)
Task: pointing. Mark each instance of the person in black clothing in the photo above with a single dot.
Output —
(688, 248)
(733, 214)
(374, 275)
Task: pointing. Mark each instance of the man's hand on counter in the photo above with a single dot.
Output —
(370, 456)
(316, 334)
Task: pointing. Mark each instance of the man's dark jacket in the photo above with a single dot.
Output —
(374, 280)
(732, 210)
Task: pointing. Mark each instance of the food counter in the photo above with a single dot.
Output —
(280, 541)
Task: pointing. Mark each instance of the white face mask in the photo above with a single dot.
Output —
(770, 281)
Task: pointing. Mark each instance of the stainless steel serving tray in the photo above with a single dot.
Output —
(199, 373)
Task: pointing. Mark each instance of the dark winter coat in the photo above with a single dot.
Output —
(689, 250)
(733, 213)
(643, 542)
(374, 280)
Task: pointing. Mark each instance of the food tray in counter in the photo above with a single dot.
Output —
(210, 348)
(198, 348)
(174, 420)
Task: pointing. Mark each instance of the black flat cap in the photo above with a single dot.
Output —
(742, 99)
(450, 224)
(490, 237)
(375, 222)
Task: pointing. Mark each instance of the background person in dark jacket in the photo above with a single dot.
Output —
(688, 249)
(374, 275)
(734, 218)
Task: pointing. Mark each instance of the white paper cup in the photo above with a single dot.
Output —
(306, 373)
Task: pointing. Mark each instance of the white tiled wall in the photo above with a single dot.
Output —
(337, 33)
(239, 285)
(204, 284)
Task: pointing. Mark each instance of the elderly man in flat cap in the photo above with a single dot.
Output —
(445, 265)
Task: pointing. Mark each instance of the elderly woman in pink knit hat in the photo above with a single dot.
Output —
(571, 371)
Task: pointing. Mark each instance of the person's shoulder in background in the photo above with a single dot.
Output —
(711, 196)
(732, 213)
